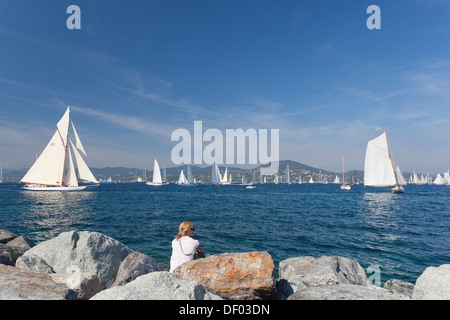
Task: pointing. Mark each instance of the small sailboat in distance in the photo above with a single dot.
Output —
(379, 167)
(343, 185)
(48, 172)
(157, 180)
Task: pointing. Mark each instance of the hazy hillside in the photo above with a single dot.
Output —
(297, 170)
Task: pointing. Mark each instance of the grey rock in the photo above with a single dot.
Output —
(399, 287)
(433, 284)
(5, 258)
(18, 284)
(34, 263)
(345, 292)
(13, 252)
(302, 272)
(21, 242)
(83, 252)
(160, 285)
(135, 265)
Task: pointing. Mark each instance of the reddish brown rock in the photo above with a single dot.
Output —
(236, 276)
(85, 285)
(18, 284)
(6, 236)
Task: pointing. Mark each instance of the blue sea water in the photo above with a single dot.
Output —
(401, 234)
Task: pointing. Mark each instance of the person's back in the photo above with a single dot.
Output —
(184, 246)
(183, 250)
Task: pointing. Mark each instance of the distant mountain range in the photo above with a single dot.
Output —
(296, 169)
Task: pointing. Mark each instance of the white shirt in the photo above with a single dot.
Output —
(183, 251)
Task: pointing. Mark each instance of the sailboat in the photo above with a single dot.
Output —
(250, 185)
(48, 172)
(288, 178)
(343, 185)
(225, 177)
(157, 180)
(216, 177)
(378, 166)
(182, 179)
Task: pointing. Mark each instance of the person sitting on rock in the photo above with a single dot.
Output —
(184, 246)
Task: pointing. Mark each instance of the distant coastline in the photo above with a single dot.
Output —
(124, 174)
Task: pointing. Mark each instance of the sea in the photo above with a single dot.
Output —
(392, 236)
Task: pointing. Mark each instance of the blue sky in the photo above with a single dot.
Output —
(137, 70)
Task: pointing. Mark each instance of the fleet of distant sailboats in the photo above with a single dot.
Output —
(54, 169)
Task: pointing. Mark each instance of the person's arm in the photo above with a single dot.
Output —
(201, 249)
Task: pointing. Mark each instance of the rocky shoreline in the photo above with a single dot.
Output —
(83, 265)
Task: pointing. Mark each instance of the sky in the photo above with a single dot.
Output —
(138, 70)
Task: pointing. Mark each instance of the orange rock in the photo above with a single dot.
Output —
(236, 276)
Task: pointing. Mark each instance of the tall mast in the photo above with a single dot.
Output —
(390, 157)
(65, 146)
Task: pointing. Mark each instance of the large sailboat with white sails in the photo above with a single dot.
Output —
(379, 166)
(49, 172)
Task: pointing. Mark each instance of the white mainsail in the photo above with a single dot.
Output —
(156, 172)
(157, 180)
(216, 177)
(182, 179)
(225, 176)
(189, 172)
(378, 165)
(415, 178)
(378, 169)
(48, 171)
(49, 166)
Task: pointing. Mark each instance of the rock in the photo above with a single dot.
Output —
(399, 287)
(6, 236)
(135, 265)
(18, 284)
(34, 263)
(83, 252)
(159, 285)
(85, 285)
(248, 275)
(5, 258)
(345, 292)
(21, 242)
(13, 252)
(433, 284)
(302, 272)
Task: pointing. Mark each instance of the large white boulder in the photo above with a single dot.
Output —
(83, 252)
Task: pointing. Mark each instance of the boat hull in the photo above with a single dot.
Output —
(398, 190)
(156, 184)
(54, 188)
